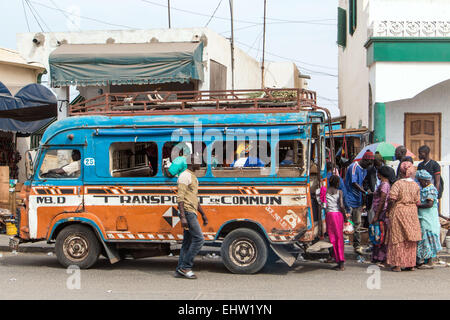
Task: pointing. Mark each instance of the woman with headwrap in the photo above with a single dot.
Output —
(386, 175)
(404, 226)
(430, 245)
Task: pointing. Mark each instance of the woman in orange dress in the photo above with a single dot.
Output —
(404, 225)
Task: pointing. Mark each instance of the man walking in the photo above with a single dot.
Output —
(188, 205)
(354, 178)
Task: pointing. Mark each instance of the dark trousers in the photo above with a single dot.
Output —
(192, 242)
(356, 218)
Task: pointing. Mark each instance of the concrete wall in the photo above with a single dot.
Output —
(433, 100)
(16, 77)
(403, 80)
(353, 76)
(283, 75)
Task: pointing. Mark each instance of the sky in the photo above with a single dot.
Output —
(302, 31)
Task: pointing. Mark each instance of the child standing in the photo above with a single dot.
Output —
(333, 202)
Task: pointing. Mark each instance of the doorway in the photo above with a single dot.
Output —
(423, 129)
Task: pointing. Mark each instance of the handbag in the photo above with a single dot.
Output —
(377, 232)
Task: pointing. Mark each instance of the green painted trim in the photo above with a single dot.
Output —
(407, 49)
(379, 122)
(352, 16)
(342, 27)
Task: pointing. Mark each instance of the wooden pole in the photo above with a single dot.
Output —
(168, 11)
(264, 47)
(232, 45)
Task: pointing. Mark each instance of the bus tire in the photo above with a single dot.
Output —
(77, 245)
(244, 251)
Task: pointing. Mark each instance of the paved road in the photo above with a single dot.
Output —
(39, 276)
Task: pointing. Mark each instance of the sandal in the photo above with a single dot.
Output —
(187, 273)
(396, 269)
(338, 267)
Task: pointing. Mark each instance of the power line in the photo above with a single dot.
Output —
(26, 17)
(65, 15)
(254, 42)
(212, 16)
(309, 70)
(317, 72)
(327, 99)
(43, 21)
(301, 21)
(84, 17)
(243, 21)
(259, 24)
(193, 12)
(28, 4)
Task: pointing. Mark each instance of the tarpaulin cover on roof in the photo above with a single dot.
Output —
(126, 63)
(29, 110)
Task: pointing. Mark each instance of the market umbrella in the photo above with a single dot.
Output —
(386, 149)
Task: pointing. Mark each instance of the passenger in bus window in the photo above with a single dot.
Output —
(188, 205)
(71, 169)
(289, 158)
(152, 155)
(245, 159)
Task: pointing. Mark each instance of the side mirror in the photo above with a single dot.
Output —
(29, 164)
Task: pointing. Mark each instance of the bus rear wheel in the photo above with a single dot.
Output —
(77, 245)
(244, 251)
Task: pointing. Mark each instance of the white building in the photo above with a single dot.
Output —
(394, 70)
(214, 69)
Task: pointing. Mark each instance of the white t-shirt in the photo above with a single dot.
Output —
(72, 167)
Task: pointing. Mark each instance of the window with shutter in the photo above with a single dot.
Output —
(342, 27)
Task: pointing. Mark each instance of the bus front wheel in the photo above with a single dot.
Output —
(77, 245)
(244, 251)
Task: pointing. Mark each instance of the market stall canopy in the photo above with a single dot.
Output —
(29, 110)
(126, 63)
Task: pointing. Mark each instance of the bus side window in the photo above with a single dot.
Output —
(243, 158)
(172, 150)
(133, 159)
(291, 158)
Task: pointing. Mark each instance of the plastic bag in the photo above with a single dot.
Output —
(376, 232)
(348, 227)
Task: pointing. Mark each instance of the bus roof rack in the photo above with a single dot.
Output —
(196, 102)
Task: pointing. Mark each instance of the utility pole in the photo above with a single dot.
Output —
(263, 48)
(168, 11)
(232, 45)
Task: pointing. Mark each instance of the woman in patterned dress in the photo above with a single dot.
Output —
(404, 226)
(430, 245)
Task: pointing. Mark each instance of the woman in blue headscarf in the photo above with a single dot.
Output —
(430, 245)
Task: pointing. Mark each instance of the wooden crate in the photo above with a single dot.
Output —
(4, 192)
(4, 185)
(4, 174)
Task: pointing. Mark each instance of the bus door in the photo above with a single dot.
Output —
(56, 188)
